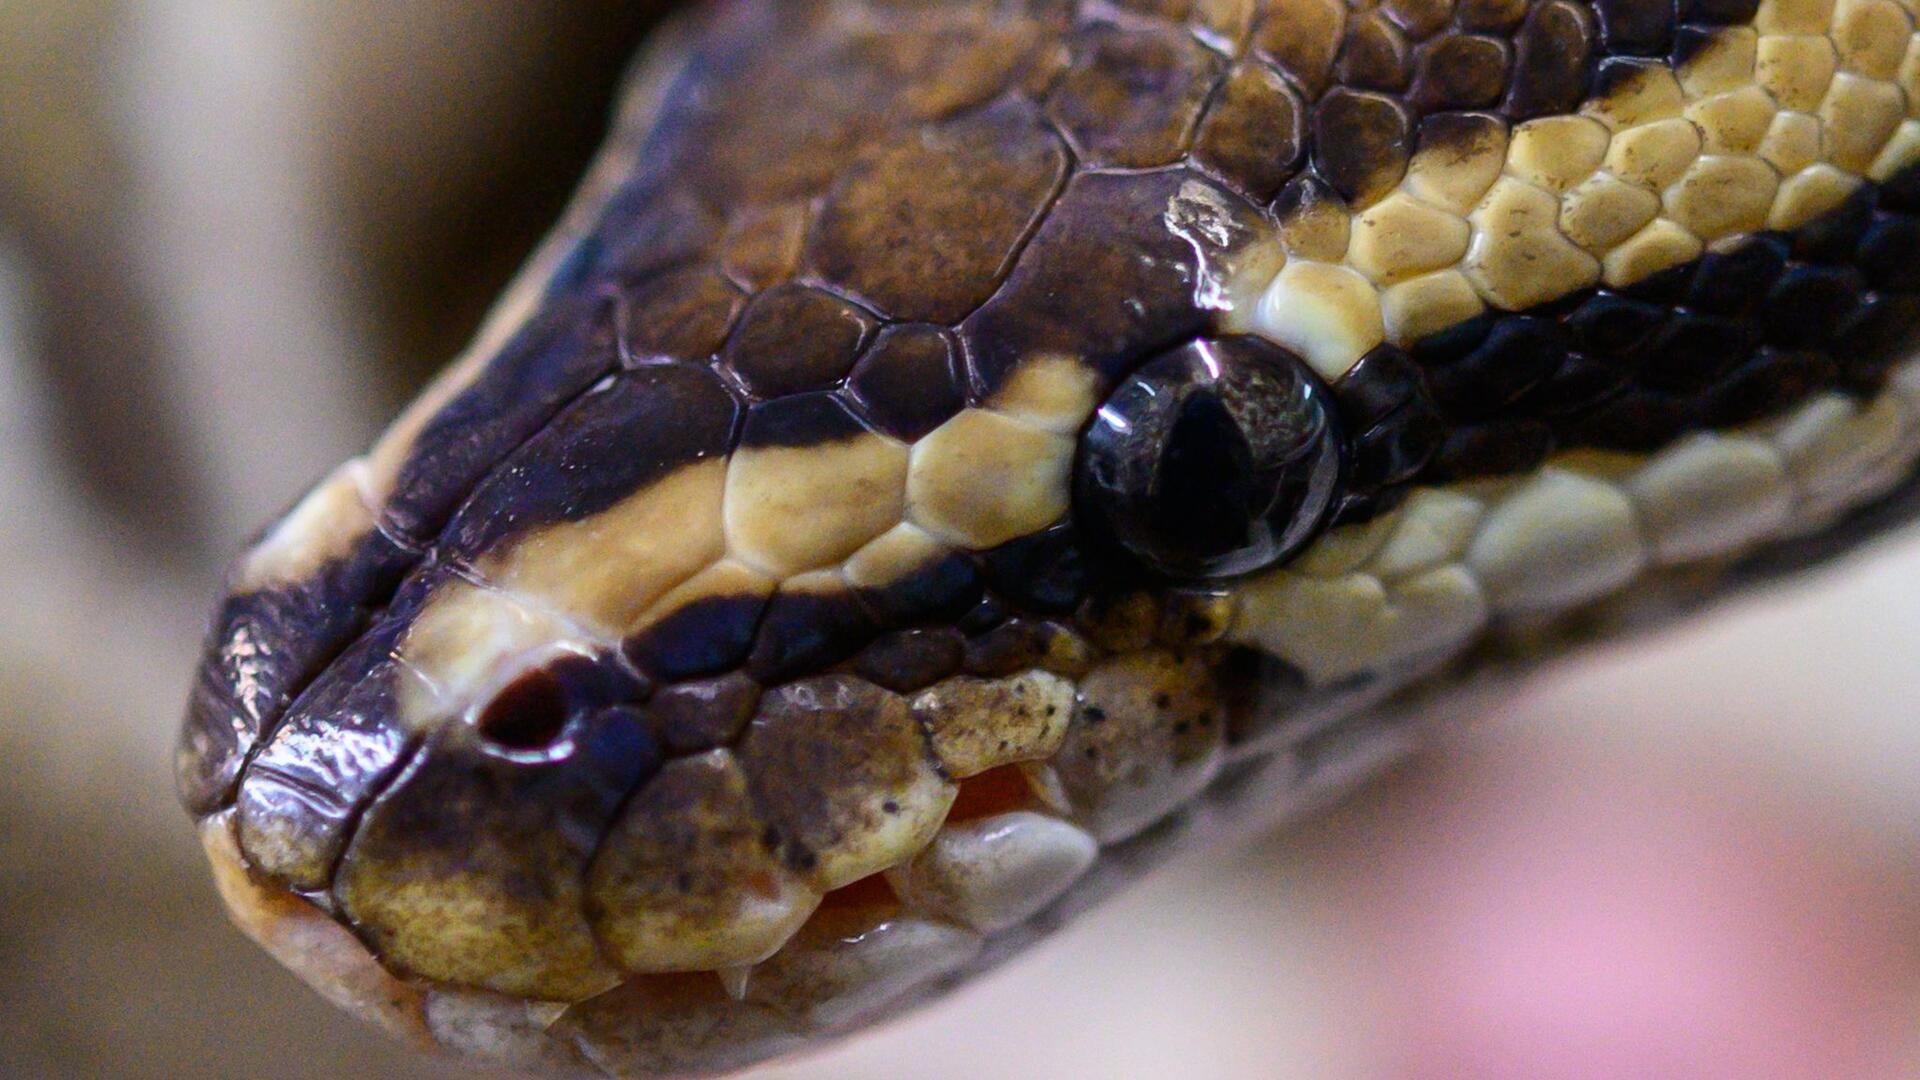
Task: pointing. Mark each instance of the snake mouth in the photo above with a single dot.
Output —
(565, 898)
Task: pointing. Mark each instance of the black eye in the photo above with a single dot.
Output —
(1215, 459)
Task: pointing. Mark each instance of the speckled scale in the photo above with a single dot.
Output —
(1131, 97)
(814, 750)
(978, 184)
(501, 843)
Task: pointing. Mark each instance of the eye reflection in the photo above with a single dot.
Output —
(1218, 458)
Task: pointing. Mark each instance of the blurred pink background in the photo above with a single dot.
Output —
(232, 237)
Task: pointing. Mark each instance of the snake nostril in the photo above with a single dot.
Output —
(528, 715)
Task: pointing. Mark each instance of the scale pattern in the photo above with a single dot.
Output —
(713, 659)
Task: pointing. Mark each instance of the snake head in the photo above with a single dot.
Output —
(880, 522)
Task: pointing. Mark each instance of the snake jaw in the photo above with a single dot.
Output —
(730, 650)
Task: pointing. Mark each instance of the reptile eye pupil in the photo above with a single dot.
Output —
(1205, 483)
(1215, 459)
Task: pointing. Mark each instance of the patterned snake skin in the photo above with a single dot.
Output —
(952, 449)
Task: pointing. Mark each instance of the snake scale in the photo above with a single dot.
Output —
(950, 449)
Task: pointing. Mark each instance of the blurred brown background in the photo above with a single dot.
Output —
(234, 236)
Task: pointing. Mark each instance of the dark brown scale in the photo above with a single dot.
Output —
(1362, 142)
(1490, 16)
(1375, 56)
(762, 247)
(1459, 71)
(1302, 38)
(1515, 356)
(795, 338)
(1886, 250)
(804, 631)
(927, 228)
(1046, 572)
(910, 381)
(1769, 382)
(1635, 27)
(263, 648)
(1254, 131)
(691, 717)
(684, 315)
(562, 351)
(1734, 283)
(333, 751)
(643, 425)
(1131, 97)
(944, 589)
(1882, 331)
(801, 420)
(1498, 448)
(1692, 352)
(1419, 19)
(1614, 327)
(1551, 56)
(910, 660)
(1809, 304)
(1638, 418)
(1718, 12)
(706, 637)
(1395, 449)
(769, 127)
(1103, 278)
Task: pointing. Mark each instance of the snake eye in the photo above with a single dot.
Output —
(1218, 458)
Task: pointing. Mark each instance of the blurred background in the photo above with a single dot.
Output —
(234, 237)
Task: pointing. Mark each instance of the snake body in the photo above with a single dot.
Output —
(951, 448)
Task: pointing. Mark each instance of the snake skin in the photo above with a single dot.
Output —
(717, 659)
